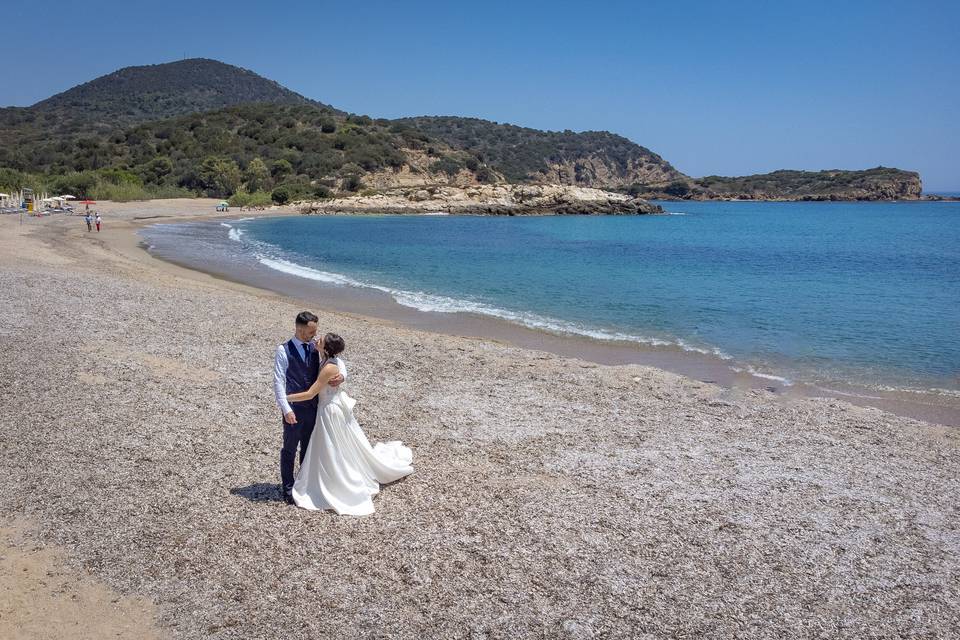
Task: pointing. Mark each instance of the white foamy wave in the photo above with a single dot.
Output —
(433, 303)
(301, 271)
(235, 234)
(443, 304)
(675, 213)
(952, 393)
(849, 395)
(766, 376)
(228, 226)
(686, 346)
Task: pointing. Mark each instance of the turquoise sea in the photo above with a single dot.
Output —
(865, 293)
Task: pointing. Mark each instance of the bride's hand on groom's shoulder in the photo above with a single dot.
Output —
(336, 380)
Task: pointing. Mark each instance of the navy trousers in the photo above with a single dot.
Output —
(296, 435)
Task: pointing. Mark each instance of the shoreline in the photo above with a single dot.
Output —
(919, 404)
(552, 496)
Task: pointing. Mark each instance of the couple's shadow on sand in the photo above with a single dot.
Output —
(259, 492)
(270, 491)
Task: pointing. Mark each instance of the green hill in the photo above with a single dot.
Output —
(133, 95)
(308, 150)
(591, 158)
(202, 126)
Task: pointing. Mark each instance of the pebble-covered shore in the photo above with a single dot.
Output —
(551, 498)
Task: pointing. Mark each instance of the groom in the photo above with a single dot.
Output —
(296, 366)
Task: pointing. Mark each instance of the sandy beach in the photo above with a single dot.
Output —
(553, 497)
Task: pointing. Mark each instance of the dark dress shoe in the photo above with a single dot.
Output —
(288, 497)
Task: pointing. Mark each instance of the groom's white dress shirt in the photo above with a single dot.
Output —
(280, 363)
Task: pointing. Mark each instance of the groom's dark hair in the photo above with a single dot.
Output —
(305, 317)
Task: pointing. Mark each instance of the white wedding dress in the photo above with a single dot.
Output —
(340, 470)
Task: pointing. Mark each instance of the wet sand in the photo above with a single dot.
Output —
(552, 497)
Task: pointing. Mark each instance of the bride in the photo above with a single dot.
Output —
(340, 470)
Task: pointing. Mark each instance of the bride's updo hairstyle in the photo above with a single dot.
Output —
(332, 345)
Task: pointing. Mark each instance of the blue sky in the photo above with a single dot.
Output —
(727, 88)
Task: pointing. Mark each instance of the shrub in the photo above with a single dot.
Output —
(78, 184)
(281, 195)
(240, 199)
(352, 182)
(486, 175)
(678, 189)
(120, 177)
(364, 121)
(260, 199)
(12, 180)
(447, 165)
(281, 168)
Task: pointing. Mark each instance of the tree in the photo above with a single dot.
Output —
(281, 168)
(281, 195)
(12, 179)
(257, 176)
(79, 184)
(156, 171)
(219, 176)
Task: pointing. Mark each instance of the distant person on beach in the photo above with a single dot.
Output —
(296, 367)
(340, 470)
(99, 220)
(89, 221)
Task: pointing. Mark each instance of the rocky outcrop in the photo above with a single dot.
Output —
(597, 159)
(603, 172)
(488, 200)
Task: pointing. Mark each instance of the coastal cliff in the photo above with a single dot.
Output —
(487, 200)
(597, 159)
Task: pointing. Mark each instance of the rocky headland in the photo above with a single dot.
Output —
(500, 199)
(880, 183)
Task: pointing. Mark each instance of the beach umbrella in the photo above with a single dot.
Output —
(88, 202)
(68, 197)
